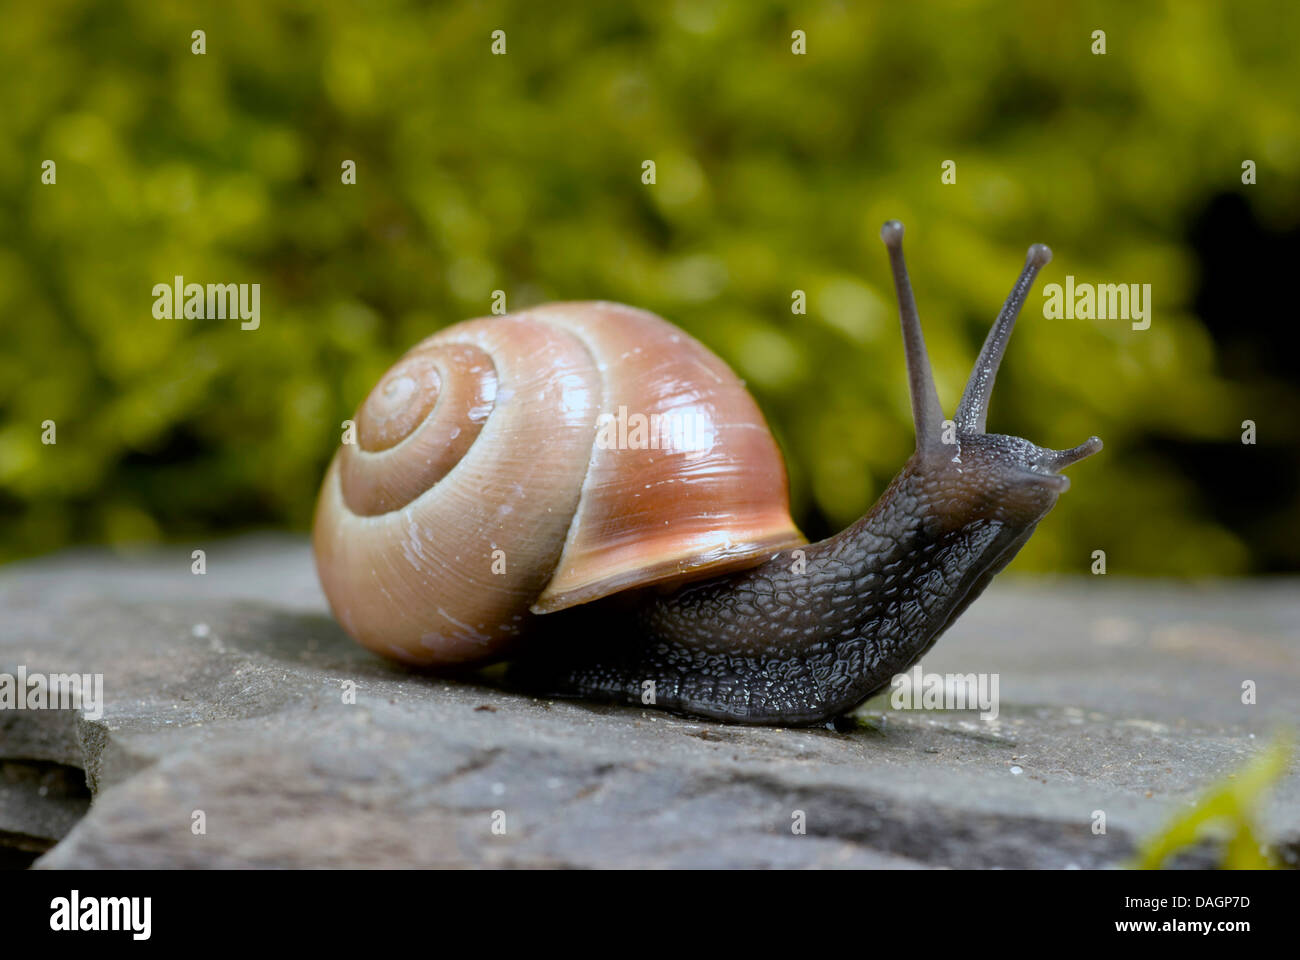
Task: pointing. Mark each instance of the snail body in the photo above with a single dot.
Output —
(498, 505)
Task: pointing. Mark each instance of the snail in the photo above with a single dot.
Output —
(500, 503)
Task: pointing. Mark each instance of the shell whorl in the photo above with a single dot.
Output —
(433, 402)
(477, 493)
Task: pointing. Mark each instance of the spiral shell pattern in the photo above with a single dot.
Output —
(517, 465)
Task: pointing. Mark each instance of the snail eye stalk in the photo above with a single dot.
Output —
(973, 410)
(927, 413)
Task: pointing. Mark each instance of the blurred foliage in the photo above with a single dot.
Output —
(1226, 815)
(522, 172)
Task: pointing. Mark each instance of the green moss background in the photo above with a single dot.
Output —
(523, 172)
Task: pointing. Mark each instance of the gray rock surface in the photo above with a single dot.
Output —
(224, 693)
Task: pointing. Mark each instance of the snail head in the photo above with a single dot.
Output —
(964, 471)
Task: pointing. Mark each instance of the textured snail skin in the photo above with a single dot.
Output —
(799, 643)
(774, 646)
(667, 578)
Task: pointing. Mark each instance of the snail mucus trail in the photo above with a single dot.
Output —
(769, 645)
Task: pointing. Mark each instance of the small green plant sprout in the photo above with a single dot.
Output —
(1226, 813)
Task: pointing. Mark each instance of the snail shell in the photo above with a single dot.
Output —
(482, 489)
